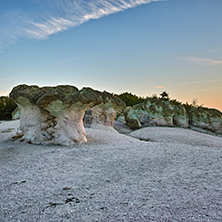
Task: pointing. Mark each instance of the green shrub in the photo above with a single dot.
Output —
(130, 99)
(7, 106)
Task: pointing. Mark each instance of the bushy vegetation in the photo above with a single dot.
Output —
(130, 99)
(7, 106)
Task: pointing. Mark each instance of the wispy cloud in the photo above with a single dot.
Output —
(55, 16)
(209, 89)
(159, 87)
(207, 62)
(196, 82)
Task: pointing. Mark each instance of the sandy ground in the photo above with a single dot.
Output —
(163, 174)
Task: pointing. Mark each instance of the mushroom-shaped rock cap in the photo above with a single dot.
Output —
(29, 93)
(69, 95)
(88, 96)
(64, 92)
(114, 100)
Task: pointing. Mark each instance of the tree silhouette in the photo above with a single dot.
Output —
(164, 96)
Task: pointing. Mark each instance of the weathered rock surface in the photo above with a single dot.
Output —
(31, 117)
(155, 112)
(209, 119)
(180, 118)
(66, 106)
(55, 114)
(131, 118)
(104, 114)
(16, 114)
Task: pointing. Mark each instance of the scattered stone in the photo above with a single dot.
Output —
(67, 188)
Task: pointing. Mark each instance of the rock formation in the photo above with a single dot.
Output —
(180, 118)
(155, 112)
(31, 117)
(54, 115)
(104, 114)
(16, 114)
(131, 118)
(209, 119)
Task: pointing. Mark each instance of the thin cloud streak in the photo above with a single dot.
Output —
(196, 82)
(208, 90)
(159, 87)
(58, 16)
(207, 62)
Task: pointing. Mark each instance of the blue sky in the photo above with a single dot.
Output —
(138, 46)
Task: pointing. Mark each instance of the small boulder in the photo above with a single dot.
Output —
(155, 112)
(209, 119)
(131, 118)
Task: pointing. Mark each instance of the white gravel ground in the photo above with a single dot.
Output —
(175, 176)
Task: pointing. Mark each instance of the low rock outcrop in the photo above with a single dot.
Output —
(104, 114)
(209, 119)
(155, 112)
(55, 114)
(131, 118)
(180, 118)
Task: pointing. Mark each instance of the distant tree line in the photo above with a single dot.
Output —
(131, 99)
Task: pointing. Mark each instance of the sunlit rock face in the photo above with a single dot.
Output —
(104, 114)
(209, 119)
(53, 115)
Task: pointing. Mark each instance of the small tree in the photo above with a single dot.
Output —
(164, 96)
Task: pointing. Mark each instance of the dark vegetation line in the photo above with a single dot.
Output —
(7, 105)
(131, 99)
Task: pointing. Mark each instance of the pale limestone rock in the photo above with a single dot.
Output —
(16, 114)
(31, 118)
(104, 114)
(53, 114)
(67, 109)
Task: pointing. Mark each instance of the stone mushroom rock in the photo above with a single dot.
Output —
(131, 118)
(204, 118)
(155, 112)
(180, 118)
(53, 114)
(66, 106)
(31, 117)
(104, 114)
